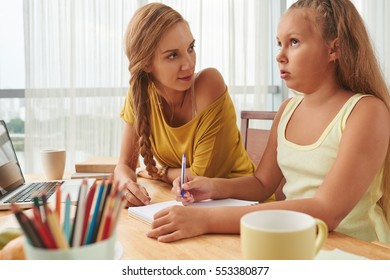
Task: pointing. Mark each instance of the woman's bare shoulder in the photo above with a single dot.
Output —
(209, 86)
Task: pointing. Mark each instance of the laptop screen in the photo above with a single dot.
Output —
(11, 175)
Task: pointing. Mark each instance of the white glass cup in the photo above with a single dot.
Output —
(53, 163)
(281, 235)
(102, 250)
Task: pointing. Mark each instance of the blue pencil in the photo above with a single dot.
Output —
(93, 225)
(67, 218)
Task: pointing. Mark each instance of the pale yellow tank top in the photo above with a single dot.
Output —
(305, 168)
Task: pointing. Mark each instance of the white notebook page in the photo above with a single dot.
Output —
(147, 212)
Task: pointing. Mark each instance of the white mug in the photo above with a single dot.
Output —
(281, 235)
(53, 163)
(102, 250)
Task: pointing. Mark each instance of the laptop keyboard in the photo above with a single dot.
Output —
(33, 190)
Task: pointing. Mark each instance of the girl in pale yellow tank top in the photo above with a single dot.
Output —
(331, 143)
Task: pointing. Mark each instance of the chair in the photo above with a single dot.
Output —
(255, 139)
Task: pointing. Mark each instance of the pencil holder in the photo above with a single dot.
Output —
(103, 250)
(89, 236)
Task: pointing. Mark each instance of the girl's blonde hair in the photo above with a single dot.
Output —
(144, 32)
(357, 66)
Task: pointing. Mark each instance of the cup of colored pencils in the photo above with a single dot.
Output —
(51, 233)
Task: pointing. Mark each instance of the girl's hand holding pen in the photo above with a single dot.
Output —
(135, 194)
(196, 189)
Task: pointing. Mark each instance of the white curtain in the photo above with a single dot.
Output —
(76, 70)
(376, 16)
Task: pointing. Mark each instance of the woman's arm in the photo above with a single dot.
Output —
(125, 169)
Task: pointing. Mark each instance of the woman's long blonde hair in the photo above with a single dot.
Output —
(357, 67)
(144, 32)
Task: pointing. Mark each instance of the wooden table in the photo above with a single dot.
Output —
(132, 236)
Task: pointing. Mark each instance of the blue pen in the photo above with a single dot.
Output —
(183, 173)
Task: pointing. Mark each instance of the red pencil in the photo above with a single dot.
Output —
(43, 231)
(107, 208)
(37, 214)
(107, 226)
(50, 235)
(88, 206)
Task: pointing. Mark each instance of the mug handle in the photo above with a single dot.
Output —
(322, 235)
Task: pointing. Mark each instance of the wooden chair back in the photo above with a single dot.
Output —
(255, 139)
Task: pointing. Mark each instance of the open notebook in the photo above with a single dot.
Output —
(146, 213)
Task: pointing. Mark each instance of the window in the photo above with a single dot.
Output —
(12, 73)
(210, 53)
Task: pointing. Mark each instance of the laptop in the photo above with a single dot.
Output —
(14, 188)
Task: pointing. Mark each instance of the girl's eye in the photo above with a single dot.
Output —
(191, 48)
(294, 42)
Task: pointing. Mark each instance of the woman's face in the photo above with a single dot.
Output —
(174, 60)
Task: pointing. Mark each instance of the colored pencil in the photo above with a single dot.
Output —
(27, 227)
(107, 208)
(88, 206)
(54, 225)
(107, 225)
(79, 216)
(66, 224)
(106, 190)
(38, 205)
(92, 225)
(58, 200)
(43, 232)
(116, 212)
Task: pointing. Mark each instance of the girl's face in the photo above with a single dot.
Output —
(304, 59)
(173, 64)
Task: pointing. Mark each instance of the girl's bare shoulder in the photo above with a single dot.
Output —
(371, 107)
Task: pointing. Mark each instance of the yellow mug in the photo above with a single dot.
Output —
(281, 235)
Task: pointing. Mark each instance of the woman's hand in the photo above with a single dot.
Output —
(178, 222)
(196, 189)
(135, 194)
(144, 174)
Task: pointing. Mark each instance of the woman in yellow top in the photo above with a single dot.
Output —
(331, 143)
(170, 110)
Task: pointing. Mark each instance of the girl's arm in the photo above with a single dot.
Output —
(361, 154)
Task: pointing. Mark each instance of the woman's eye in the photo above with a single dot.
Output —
(172, 55)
